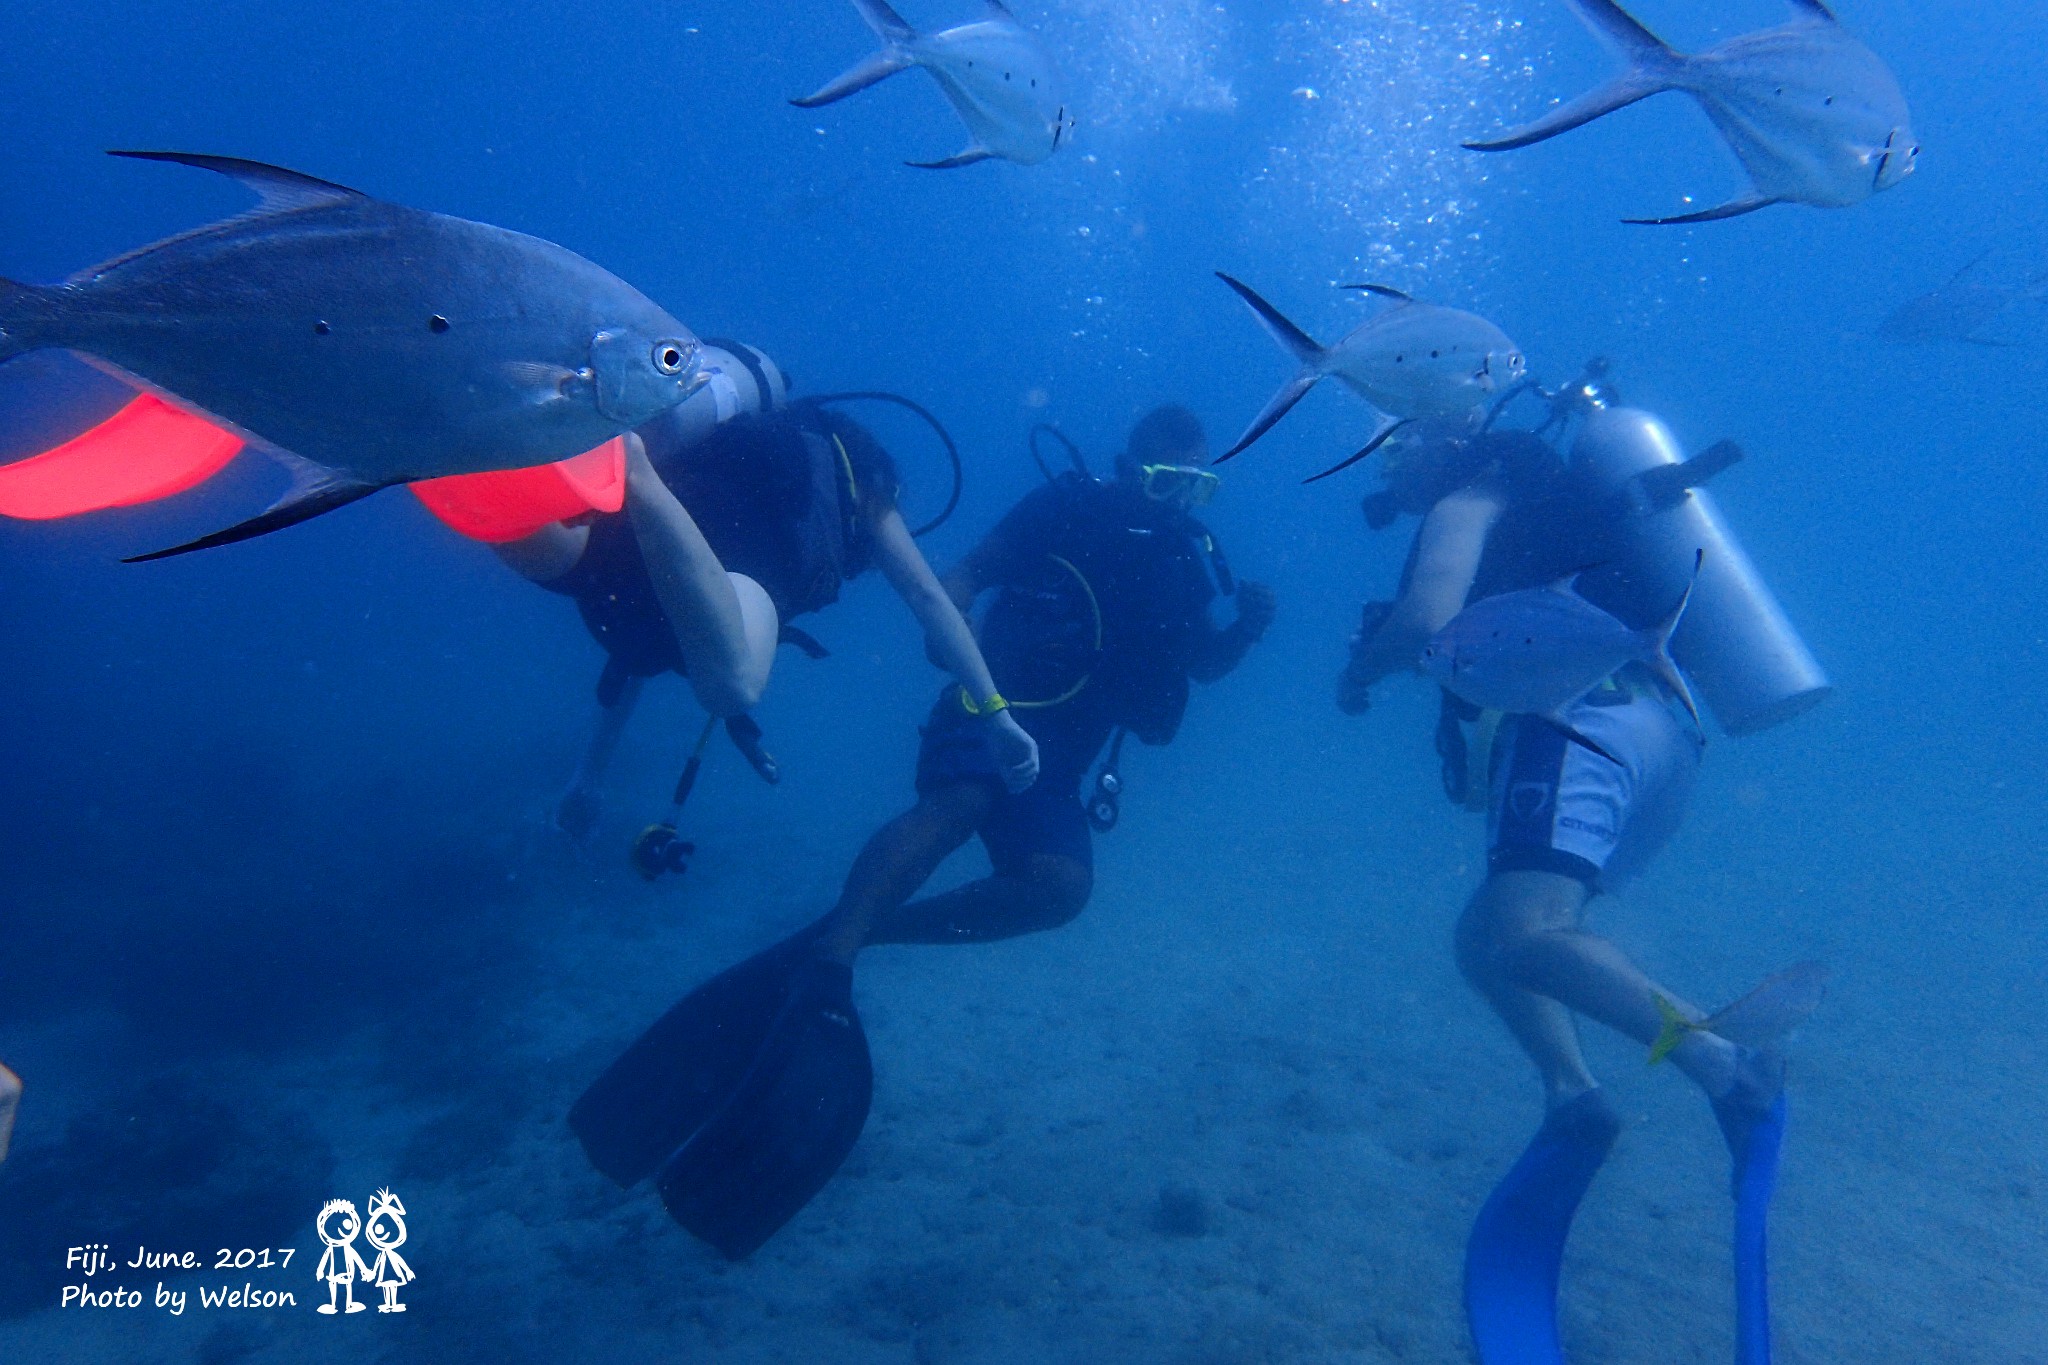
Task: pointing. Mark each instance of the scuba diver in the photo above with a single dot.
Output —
(1580, 798)
(744, 1099)
(743, 510)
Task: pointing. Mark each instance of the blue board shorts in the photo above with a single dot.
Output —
(1559, 807)
(1046, 818)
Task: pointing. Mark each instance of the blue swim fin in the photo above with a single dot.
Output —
(1517, 1245)
(1754, 1140)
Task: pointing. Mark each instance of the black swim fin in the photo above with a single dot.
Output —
(675, 1076)
(787, 1128)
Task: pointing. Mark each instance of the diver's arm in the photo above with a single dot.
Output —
(547, 554)
(949, 642)
(1447, 552)
(1225, 649)
(725, 623)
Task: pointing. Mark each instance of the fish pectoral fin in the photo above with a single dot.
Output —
(280, 190)
(859, 76)
(543, 382)
(1675, 1027)
(961, 158)
(301, 504)
(1734, 208)
(1618, 93)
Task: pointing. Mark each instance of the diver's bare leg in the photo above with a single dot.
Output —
(1541, 946)
(725, 624)
(1048, 892)
(899, 858)
(1497, 915)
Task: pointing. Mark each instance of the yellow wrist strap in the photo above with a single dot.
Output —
(996, 702)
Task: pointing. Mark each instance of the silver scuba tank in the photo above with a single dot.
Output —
(742, 379)
(1744, 658)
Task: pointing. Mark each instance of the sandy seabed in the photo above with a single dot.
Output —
(1242, 1110)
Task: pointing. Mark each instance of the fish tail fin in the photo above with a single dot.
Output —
(888, 25)
(1658, 652)
(858, 77)
(1292, 339)
(26, 311)
(1643, 48)
(1654, 67)
(1297, 343)
(1673, 1032)
(1618, 93)
(895, 56)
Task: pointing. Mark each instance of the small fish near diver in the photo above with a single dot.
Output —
(1537, 651)
(363, 343)
(1814, 116)
(994, 72)
(1409, 360)
(1761, 1020)
(1959, 311)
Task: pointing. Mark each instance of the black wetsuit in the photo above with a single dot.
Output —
(1075, 560)
(775, 499)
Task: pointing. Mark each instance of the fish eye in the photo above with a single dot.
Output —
(670, 357)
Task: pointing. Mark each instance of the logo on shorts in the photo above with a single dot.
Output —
(1527, 800)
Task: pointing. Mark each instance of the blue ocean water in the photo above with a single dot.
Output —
(283, 919)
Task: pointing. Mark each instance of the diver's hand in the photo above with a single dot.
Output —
(1256, 607)
(1015, 753)
(578, 812)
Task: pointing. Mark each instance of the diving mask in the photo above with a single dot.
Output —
(1181, 484)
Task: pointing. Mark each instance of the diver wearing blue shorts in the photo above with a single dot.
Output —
(1577, 804)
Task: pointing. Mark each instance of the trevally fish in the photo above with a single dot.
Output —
(1814, 116)
(994, 73)
(1537, 651)
(1961, 309)
(364, 343)
(1411, 360)
(1761, 1019)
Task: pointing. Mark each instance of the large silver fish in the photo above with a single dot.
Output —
(1408, 361)
(1537, 651)
(994, 73)
(1961, 309)
(365, 343)
(1814, 116)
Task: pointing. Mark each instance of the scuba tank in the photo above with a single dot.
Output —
(742, 379)
(1743, 655)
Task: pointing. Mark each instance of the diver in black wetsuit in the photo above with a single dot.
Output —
(723, 540)
(1100, 618)
(745, 1098)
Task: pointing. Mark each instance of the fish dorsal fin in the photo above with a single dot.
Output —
(1568, 585)
(998, 10)
(1814, 9)
(280, 190)
(1385, 291)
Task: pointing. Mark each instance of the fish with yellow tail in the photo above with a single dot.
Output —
(1759, 1020)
